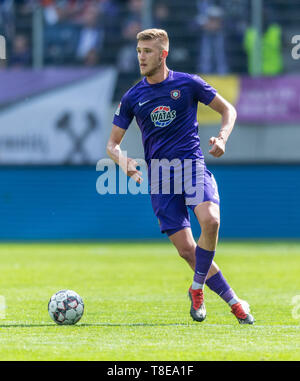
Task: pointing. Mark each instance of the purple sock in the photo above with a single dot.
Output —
(204, 260)
(219, 285)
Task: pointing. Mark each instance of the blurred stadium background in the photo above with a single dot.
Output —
(67, 64)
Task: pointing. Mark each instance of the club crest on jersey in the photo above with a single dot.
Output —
(175, 94)
(162, 116)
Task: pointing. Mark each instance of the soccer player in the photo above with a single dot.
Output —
(164, 104)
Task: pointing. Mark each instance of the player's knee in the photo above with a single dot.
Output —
(211, 224)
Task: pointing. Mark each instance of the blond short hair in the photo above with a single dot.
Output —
(155, 34)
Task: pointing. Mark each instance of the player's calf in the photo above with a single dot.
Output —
(239, 308)
(188, 254)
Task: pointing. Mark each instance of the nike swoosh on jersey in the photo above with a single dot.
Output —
(142, 103)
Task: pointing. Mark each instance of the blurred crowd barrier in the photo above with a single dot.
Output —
(206, 36)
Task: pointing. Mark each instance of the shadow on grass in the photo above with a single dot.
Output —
(133, 324)
(9, 325)
(25, 325)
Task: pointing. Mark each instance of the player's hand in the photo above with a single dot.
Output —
(218, 146)
(133, 172)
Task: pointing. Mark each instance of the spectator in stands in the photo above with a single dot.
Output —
(109, 15)
(61, 33)
(61, 10)
(92, 58)
(212, 57)
(7, 21)
(127, 61)
(75, 29)
(271, 45)
(161, 15)
(110, 18)
(21, 53)
(236, 14)
(91, 35)
(135, 8)
(25, 7)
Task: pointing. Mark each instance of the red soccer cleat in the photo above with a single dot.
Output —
(241, 311)
(198, 311)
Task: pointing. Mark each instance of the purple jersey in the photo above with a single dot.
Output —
(166, 113)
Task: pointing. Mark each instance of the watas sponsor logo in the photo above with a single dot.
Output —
(162, 116)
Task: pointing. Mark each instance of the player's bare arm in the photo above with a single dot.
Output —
(114, 151)
(228, 114)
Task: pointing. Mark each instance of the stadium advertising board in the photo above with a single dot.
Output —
(54, 116)
(269, 100)
(259, 101)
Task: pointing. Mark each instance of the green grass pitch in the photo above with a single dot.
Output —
(136, 304)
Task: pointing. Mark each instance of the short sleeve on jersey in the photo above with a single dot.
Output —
(204, 93)
(123, 115)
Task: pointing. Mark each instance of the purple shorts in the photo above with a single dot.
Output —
(172, 209)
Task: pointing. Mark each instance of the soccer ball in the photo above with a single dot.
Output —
(65, 307)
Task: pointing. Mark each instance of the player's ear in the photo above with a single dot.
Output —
(165, 53)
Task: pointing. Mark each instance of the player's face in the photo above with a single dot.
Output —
(150, 57)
